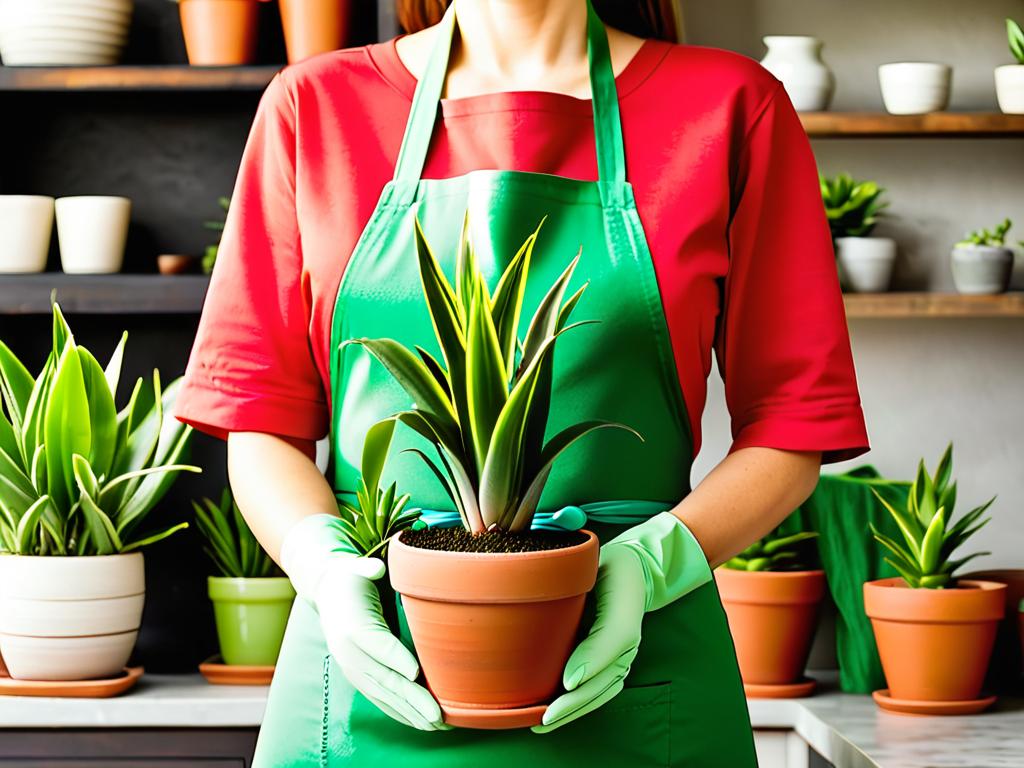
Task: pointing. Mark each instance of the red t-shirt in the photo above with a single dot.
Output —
(726, 187)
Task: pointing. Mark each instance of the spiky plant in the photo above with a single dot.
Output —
(486, 409)
(995, 237)
(77, 476)
(230, 543)
(852, 207)
(1015, 35)
(378, 516)
(774, 552)
(929, 541)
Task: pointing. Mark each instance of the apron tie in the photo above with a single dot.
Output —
(568, 518)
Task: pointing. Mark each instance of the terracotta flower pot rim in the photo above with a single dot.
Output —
(770, 587)
(969, 601)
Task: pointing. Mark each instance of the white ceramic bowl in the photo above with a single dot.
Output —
(66, 658)
(92, 231)
(915, 88)
(26, 224)
(55, 32)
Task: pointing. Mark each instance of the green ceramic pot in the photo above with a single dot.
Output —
(251, 615)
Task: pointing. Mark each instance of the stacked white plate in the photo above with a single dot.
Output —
(63, 32)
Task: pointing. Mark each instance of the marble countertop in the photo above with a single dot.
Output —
(850, 731)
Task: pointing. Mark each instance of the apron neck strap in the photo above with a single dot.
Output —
(611, 164)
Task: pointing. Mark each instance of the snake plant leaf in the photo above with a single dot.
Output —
(911, 577)
(442, 304)
(440, 374)
(947, 498)
(220, 549)
(934, 580)
(61, 330)
(112, 373)
(139, 427)
(445, 482)
(27, 529)
(38, 472)
(153, 538)
(955, 565)
(10, 444)
(570, 305)
(16, 385)
(487, 378)
(776, 545)
(931, 546)
(66, 427)
(926, 502)
(99, 527)
(906, 558)
(32, 426)
(102, 413)
(507, 304)
(1015, 36)
(465, 271)
(943, 471)
(958, 532)
(544, 323)
(375, 452)
(909, 525)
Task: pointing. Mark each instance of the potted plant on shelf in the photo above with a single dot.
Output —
(934, 632)
(982, 262)
(219, 32)
(78, 478)
(1010, 77)
(771, 599)
(251, 596)
(853, 209)
(491, 585)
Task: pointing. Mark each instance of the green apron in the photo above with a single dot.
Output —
(683, 704)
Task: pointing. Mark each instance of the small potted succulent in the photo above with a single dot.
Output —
(78, 479)
(492, 584)
(251, 596)
(771, 599)
(853, 209)
(934, 632)
(1010, 77)
(982, 263)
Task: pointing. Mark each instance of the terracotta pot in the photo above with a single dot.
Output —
(935, 644)
(313, 26)
(176, 263)
(219, 32)
(493, 631)
(772, 617)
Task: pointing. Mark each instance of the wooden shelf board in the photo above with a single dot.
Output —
(937, 124)
(102, 294)
(172, 77)
(932, 305)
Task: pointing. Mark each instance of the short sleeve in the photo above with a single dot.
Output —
(782, 344)
(251, 367)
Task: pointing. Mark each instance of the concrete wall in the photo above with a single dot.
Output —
(923, 382)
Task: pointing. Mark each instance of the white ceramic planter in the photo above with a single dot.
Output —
(982, 269)
(55, 32)
(92, 231)
(1010, 88)
(796, 61)
(915, 88)
(866, 263)
(26, 223)
(69, 618)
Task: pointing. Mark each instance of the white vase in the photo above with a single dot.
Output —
(26, 223)
(1010, 88)
(915, 87)
(866, 263)
(982, 269)
(69, 618)
(92, 231)
(796, 61)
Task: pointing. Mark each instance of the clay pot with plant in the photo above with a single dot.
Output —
(219, 33)
(1010, 77)
(853, 209)
(771, 599)
(490, 585)
(78, 480)
(982, 263)
(251, 596)
(935, 632)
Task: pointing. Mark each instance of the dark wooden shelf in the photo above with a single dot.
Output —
(932, 305)
(171, 77)
(103, 294)
(936, 125)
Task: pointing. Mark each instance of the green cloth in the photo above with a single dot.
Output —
(840, 510)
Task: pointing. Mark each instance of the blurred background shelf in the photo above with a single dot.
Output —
(935, 125)
(917, 305)
(173, 77)
(103, 294)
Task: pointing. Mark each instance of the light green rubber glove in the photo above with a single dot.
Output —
(326, 571)
(641, 570)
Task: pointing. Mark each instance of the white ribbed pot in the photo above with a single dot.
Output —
(915, 87)
(982, 269)
(796, 61)
(63, 32)
(866, 263)
(92, 231)
(26, 223)
(69, 618)
(1010, 88)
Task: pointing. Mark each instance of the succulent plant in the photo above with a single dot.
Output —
(929, 538)
(485, 411)
(852, 207)
(1015, 36)
(995, 238)
(230, 543)
(774, 552)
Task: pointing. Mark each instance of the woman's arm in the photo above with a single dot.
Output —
(276, 483)
(749, 493)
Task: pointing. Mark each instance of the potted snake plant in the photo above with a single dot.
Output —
(934, 632)
(982, 263)
(771, 598)
(1010, 77)
(490, 585)
(853, 209)
(78, 480)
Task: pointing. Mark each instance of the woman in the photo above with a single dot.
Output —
(687, 177)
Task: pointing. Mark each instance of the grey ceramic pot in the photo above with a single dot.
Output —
(982, 269)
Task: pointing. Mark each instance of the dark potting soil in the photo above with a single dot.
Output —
(461, 540)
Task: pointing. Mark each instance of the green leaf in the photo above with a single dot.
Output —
(439, 373)
(943, 472)
(465, 270)
(375, 452)
(909, 525)
(932, 544)
(911, 578)
(544, 323)
(777, 544)
(507, 304)
(16, 386)
(1016, 39)
(66, 427)
(32, 427)
(102, 413)
(487, 378)
(905, 557)
(27, 535)
(153, 538)
(112, 373)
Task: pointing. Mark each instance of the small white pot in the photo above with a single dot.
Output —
(92, 231)
(1010, 88)
(866, 263)
(915, 88)
(796, 61)
(26, 223)
(69, 618)
(982, 269)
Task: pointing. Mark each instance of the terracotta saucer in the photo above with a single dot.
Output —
(493, 719)
(911, 707)
(218, 673)
(75, 689)
(797, 690)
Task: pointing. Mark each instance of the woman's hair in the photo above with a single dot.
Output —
(644, 18)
